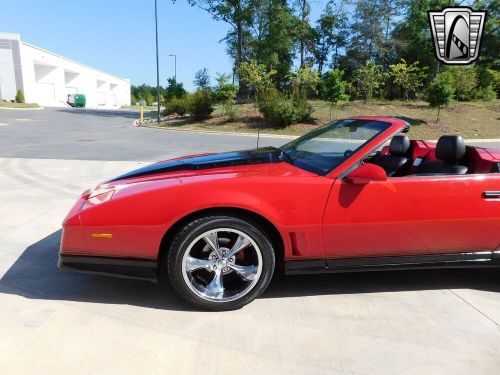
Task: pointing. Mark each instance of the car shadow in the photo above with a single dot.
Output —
(35, 275)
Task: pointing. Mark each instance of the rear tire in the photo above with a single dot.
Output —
(220, 263)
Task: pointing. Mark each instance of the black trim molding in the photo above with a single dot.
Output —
(144, 269)
(453, 260)
(129, 268)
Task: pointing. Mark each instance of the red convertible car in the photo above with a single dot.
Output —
(341, 198)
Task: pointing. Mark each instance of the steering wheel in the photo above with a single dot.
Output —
(347, 153)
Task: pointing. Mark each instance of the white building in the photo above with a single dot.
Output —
(47, 78)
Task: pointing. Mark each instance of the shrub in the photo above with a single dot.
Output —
(179, 106)
(229, 110)
(201, 104)
(150, 99)
(464, 81)
(225, 94)
(19, 96)
(496, 81)
(485, 93)
(283, 109)
(369, 80)
(485, 84)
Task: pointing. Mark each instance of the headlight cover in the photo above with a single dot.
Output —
(98, 196)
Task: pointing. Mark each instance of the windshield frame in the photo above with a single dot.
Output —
(355, 152)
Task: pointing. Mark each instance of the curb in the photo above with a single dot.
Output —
(23, 109)
(242, 134)
(487, 140)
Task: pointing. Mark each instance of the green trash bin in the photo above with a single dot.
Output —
(77, 100)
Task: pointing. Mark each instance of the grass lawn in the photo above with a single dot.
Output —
(18, 105)
(471, 120)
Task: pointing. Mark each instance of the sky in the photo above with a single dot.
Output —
(118, 37)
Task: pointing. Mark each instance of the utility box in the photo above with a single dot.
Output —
(77, 100)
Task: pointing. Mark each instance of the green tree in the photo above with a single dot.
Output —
(485, 83)
(367, 35)
(238, 14)
(330, 33)
(202, 79)
(19, 96)
(225, 93)
(334, 88)
(389, 11)
(141, 92)
(440, 92)
(256, 76)
(408, 78)
(464, 80)
(276, 39)
(490, 45)
(411, 38)
(304, 31)
(369, 79)
(174, 89)
(304, 81)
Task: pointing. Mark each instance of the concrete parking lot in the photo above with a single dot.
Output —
(433, 322)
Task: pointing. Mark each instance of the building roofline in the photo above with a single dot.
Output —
(73, 61)
(15, 36)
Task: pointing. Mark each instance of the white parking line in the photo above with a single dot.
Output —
(4, 124)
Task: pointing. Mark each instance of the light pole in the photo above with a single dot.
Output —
(157, 64)
(175, 67)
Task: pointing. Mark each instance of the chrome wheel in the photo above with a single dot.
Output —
(222, 265)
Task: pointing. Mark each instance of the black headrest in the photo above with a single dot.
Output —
(399, 145)
(450, 148)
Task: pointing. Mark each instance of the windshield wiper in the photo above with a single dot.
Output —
(285, 157)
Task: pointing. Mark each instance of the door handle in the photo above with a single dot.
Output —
(491, 194)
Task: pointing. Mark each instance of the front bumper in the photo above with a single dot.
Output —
(128, 268)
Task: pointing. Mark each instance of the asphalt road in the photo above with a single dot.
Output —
(79, 134)
(433, 322)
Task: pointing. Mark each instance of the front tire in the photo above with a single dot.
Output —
(220, 262)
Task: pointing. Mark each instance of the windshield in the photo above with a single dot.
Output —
(325, 148)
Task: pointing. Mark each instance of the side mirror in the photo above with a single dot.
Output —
(366, 173)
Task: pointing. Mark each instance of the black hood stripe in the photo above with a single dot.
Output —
(264, 155)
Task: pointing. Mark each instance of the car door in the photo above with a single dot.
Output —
(412, 215)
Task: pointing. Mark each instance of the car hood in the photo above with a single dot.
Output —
(266, 155)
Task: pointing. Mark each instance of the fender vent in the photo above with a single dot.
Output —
(295, 247)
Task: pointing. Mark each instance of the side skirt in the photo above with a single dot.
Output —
(454, 260)
(140, 269)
